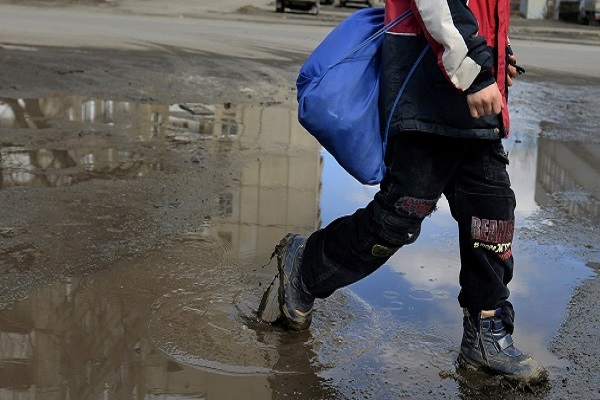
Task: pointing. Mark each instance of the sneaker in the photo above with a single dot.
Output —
(487, 346)
(287, 299)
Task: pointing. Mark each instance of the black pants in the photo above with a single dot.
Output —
(471, 174)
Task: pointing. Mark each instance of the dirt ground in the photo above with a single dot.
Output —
(45, 230)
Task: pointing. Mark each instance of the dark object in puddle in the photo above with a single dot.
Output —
(70, 71)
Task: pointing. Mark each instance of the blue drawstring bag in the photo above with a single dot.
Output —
(338, 91)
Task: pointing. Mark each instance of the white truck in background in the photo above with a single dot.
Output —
(589, 12)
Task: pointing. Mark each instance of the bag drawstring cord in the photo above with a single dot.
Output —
(412, 70)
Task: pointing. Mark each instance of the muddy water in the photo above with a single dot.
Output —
(177, 320)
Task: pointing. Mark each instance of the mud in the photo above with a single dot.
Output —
(142, 193)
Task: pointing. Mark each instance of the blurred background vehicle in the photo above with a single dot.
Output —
(368, 3)
(589, 12)
(302, 5)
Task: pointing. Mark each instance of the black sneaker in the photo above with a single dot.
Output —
(287, 299)
(487, 346)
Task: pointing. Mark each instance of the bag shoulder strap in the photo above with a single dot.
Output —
(378, 33)
(408, 76)
(397, 20)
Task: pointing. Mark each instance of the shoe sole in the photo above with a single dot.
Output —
(269, 310)
(465, 363)
(271, 307)
(535, 379)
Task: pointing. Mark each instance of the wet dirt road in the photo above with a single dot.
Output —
(143, 192)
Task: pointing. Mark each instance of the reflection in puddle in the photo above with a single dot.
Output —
(570, 172)
(59, 168)
(179, 322)
(93, 157)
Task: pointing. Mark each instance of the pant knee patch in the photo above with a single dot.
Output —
(415, 207)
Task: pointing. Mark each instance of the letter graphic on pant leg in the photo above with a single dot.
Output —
(475, 228)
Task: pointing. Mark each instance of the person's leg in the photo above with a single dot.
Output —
(352, 247)
(483, 203)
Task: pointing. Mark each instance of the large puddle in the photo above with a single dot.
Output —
(179, 322)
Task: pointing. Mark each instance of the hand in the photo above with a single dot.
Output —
(487, 101)
(511, 71)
